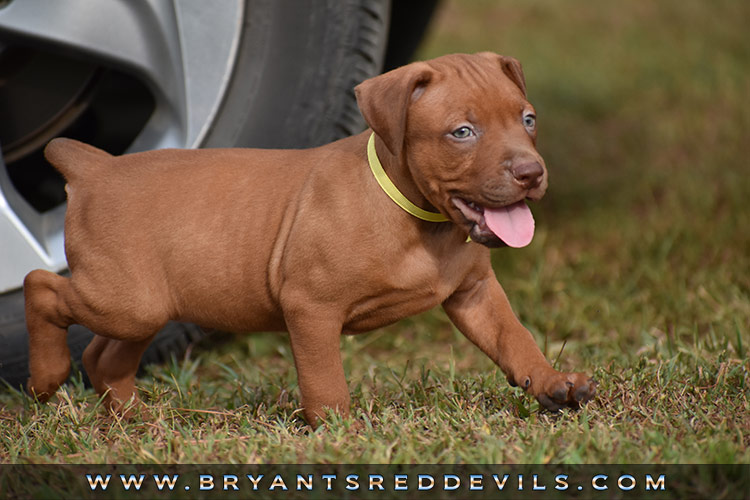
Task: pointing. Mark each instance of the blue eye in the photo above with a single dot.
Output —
(529, 121)
(462, 133)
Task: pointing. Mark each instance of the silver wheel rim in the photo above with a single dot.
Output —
(183, 50)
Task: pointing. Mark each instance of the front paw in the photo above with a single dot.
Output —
(555, 390)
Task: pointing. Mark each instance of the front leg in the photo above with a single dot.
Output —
(315, 340)
(481, 312)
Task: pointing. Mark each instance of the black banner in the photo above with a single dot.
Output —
(127, 481)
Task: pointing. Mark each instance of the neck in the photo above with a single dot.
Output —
(398, 172)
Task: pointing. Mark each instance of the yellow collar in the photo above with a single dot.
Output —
(392, 191)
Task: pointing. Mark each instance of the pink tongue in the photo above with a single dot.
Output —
(513, 224)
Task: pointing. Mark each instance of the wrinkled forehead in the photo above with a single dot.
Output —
(475, 85)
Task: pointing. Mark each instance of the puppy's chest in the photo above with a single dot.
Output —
(408, 286)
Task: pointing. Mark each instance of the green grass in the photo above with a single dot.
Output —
(640, 268)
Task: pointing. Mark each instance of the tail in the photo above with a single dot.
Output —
(73, 158)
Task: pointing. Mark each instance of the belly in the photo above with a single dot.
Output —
(231, 304)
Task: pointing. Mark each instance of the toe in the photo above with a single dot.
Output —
(566, 390)
(561, 392)
(585, 391)
(548, 403)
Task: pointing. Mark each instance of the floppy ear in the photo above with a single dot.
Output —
(511, 67)
(384, 101)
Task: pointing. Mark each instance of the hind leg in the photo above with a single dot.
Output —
(47, 319)
(111, 365)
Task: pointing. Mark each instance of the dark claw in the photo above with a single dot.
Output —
(511, 381)
(574, 405)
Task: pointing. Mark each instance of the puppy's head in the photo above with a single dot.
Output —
(462, 126)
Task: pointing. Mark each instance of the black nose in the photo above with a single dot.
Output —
(529, 175)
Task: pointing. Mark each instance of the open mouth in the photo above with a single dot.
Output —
(511, 224)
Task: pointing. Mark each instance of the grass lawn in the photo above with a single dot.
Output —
(639, 274)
